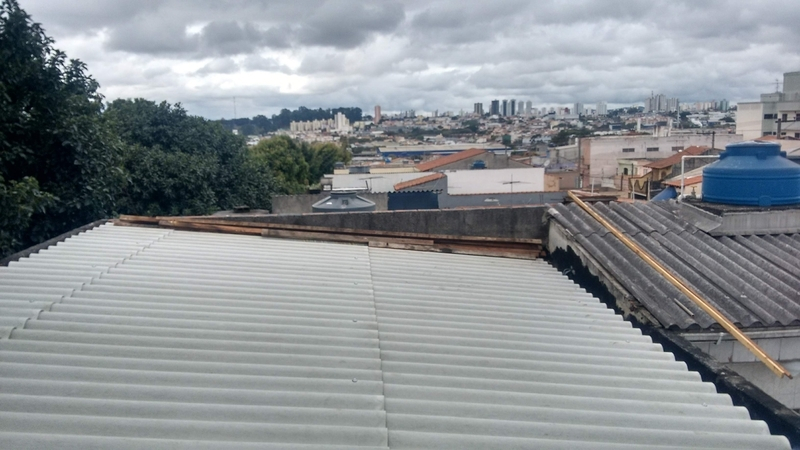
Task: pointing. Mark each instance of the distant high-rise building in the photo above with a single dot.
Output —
(724, 106)
(528, 106)
(660, 103)
(477, 108)
(341, 122)
(512, 107)
(602, 109)
(504, 108)
(377, 119)
(578, 109)
(495, 108)
(672, 105)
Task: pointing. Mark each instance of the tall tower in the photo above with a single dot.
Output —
(504, 109)
(377, 118)
(495, 108)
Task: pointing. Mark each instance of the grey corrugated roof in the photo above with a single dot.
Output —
(753, 280)
(139, 338)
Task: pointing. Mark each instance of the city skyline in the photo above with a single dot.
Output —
(422, 56)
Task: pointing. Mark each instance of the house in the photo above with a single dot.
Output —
(470, 159)
(155, 337)
(672, 165)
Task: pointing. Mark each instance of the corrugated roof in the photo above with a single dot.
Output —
(449, 159)
(753, 280)
(676, 158)
(138, 338)
(418, 181)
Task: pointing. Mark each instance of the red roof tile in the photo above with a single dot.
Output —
(449, 159)
(417, 181)
(676, 158)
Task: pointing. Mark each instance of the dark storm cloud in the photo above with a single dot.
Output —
(426, 54)
(347, 24)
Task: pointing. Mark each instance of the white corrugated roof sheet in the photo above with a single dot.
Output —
(141, 338)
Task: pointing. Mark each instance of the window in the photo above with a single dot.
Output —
(677, 149)
(628, 150)
(770, 116)
(784, 117)
(625, 171)
(652, 149)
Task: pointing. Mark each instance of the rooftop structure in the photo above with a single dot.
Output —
(152, 338)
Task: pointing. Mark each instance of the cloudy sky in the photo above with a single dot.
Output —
(423, 55)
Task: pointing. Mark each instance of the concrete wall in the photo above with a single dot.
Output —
(749, 119)
(522, 222)
(566, 180)
(482, 200)
(300, 204)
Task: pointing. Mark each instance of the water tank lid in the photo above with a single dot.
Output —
(758, 149)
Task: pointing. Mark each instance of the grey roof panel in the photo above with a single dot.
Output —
(134, 338)
(753, 280)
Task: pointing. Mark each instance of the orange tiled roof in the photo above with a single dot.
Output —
(416, 182)
(676, 158)
(444, 160)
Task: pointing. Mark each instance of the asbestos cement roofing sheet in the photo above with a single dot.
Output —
(142, 338)
(753, 280)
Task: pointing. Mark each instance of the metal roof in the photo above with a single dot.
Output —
(753, 280)
(143, 338)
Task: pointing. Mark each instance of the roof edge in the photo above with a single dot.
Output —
(60, 238)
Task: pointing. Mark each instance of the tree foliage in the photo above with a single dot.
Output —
(295, 164)
(261, 124)
(180, 164)
(59, 165)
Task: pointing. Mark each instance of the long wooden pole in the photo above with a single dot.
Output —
(729, 326)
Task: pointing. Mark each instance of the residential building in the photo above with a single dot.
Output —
(377, 118)
(528, 106)
(602, 109)
(495, 109)
(504, 109)
(599, 155)
(467, 159)
(478, 109)
(777, 114)
(512, 107)
(578, 109)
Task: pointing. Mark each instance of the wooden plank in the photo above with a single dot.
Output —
(310, 235)
(209, 227)
(393, 234)
(687, 290)
(139, 219)
(465, 250)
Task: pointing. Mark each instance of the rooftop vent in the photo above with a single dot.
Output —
(752, 173)
(343, 202)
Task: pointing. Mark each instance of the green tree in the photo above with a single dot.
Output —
(59, 164)
(288, 163)
(180, 164)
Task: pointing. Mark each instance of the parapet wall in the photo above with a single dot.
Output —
(520, 222)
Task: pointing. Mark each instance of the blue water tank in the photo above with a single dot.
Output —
(752, 173)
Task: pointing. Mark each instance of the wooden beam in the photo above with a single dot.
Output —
(715, 314)
(180, 225)
(316, 236)
(360, 232)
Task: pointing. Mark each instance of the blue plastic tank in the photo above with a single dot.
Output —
(752, 173)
